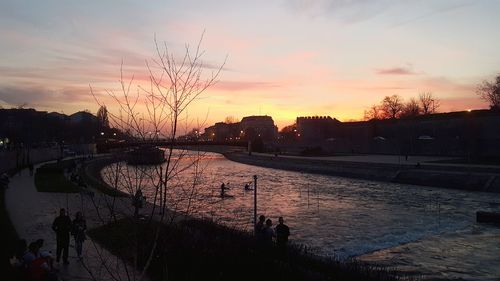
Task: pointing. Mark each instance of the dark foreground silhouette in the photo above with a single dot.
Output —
(202, 250)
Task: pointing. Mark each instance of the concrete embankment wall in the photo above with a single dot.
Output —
(464, 178)
(12, 159)
(21, 157)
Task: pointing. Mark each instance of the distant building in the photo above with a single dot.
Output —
(317, 128)
(258, 127)
(82, 116)
(221, 132)
(32, 127)
(470, 134)
(250, 127)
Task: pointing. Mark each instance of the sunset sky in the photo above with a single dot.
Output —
(285, 58)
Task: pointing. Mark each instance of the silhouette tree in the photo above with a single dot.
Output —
(411, 108)
(102, 117)
(428, 104)
(490, 92)
(230, 120)
(372, 113)
(392, 106)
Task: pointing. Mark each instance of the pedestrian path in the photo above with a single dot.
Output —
(411, 160)
(33, 212)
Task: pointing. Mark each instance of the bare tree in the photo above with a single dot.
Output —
(372, 113)
(428, 103)
(490, 92)
(155, 113)
(22, 105)
(102, 117)
(392, 106)
(411, 108)
(230, 120)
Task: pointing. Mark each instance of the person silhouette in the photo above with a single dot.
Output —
(282, 233)
(259, 226)
(222, 190)
(78, 230)
(268, 233)
(62, 227)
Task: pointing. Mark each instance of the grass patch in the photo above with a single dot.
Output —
(51, 178)
(202, 250)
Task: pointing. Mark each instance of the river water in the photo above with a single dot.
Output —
(419, 230)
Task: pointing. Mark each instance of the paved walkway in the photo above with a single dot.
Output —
(386, 159)
(33, 212)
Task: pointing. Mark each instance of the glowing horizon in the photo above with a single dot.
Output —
(285, 58)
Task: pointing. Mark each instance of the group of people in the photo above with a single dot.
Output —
(32, 262)
(265, 232)
(63, 226)
(73, 171)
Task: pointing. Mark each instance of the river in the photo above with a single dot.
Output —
(430, 232)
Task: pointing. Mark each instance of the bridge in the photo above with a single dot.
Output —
(105, 146)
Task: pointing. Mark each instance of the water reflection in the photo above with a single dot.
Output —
(345, 217)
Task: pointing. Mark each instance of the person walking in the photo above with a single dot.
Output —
(62, 227)
(78, 231)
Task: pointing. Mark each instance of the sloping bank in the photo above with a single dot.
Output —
(469, 178)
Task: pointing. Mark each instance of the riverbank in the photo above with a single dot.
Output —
(356, 216)
(464, 177)
(203, 250)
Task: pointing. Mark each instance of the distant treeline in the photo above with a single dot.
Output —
(31, 127)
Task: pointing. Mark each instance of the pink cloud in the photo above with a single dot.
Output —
(395, 71)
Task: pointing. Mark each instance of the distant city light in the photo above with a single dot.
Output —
(102, 133)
